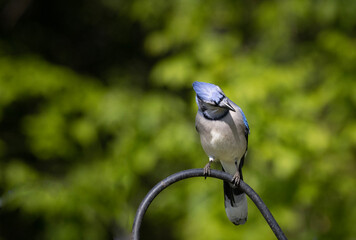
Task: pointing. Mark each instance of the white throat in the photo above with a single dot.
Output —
(210, 111)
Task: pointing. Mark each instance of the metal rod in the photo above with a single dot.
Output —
(200, 173)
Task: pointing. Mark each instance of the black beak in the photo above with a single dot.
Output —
(225, 104)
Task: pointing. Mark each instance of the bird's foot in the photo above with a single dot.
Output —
(207, 167)
(236, 179)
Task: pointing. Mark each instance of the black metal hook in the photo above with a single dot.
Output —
(200, 173)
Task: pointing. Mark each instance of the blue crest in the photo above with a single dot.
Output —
(208, 92)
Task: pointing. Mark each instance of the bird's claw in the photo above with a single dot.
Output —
(236, 179)
(207, 169)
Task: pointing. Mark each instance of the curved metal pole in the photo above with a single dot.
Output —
(200, 173)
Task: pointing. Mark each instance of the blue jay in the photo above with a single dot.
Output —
(223, 131)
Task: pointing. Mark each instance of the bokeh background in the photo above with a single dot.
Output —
(96, 107)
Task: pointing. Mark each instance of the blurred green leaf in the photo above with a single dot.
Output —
(96, 107)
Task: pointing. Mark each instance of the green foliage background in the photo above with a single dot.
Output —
(96, 107)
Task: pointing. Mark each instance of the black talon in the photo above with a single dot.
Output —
(236, 179)
(207, 170)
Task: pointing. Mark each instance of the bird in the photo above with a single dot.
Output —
(223, 130)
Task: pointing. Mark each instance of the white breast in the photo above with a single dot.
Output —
(223, 139)
(216, 137)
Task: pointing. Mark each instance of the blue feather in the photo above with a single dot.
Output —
(208, 92)
(245, 121)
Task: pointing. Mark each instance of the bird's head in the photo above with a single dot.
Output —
(211, 100)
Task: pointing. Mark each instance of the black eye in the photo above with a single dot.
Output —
(220, 99)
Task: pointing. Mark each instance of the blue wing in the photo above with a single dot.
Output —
(247, 131)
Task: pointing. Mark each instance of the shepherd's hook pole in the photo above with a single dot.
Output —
(200, 173)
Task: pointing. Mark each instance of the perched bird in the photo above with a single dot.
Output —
(223, 131)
